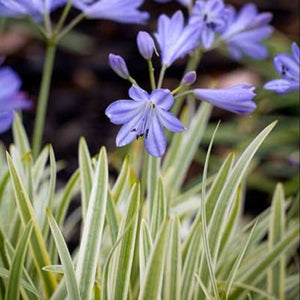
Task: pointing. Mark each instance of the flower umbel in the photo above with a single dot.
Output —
(246, 30)
(10, 97)
(145, 115)
(237, 99)
(288, 66)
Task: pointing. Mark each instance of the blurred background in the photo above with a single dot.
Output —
(84, 85)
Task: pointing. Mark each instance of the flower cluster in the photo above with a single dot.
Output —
(288, 66)
(215, 23)
(10, 97)
(145, 115)
(124, 11)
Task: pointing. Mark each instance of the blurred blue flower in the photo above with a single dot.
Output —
(189, 78)
(123, 11)
(246, 30)
(10, 97)
(288, 66)
(34, 8)
(145, 44)
(183, 2)
(118, 64)
(175, 40)
(210, 16)
(237, 99)
(144, 115)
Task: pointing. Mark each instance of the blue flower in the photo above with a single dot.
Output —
(10, 97)
(144, 115)
(145, 44)
(183, 2)
(246, 30)
(118, 64)
(288, 66)
(34, 8)
(123, 11)
(175, 40)
(210, 16)
(237, 99)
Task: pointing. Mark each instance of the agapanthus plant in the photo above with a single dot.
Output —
(288, 66)
(11, 98)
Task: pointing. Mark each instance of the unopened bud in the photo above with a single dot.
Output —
(118, 64)
(189, 78)
(145, 44)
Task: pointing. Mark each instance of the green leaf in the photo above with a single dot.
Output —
(227, 194)
(145, 246)
(153, 170)
(112, 219)
(123, 256)
(15, 273)
(276, 274)
(159, 208)
(65, 257)
(4, 273)
(152, 279)
(58, 269)
(191, 264)
(172, 274)
(259, 268)
(86, 174)
(93, 227)
(188, 147)
(20, 136)
(37, 243)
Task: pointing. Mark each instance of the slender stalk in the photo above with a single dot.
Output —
(64, 16)
(71, 25)
(151, 74)
(161, 76)
(181, 95)
(43, 98)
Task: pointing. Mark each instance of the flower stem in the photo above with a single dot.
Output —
(71, 25)
(43, 98)
(151, 74)
(161, 76)
(64, 16)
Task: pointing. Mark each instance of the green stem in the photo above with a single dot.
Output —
(64, 16)
(72, 24)
(43, 98)
(161, 76)
(192, 65)
(151, 74)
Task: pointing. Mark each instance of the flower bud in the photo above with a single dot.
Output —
(189, 78)
(145, 44)
(118, 64)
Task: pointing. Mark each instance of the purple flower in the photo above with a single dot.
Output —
(145, 44)
(118, 64)
(144, 115)
(183, 2)
(246, 30)
(189, 78)
(123, 11)
(237, 99)
(288, 66)
(210, 17)
(175, 40)
(34, 8)
(10, 97)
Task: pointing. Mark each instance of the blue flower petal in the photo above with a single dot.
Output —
(169, 121)
(138, 94)
(162, 98)
(155, 140)
(6, 119)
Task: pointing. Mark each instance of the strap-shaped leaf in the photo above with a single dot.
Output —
(37, 244)
(93, 227)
